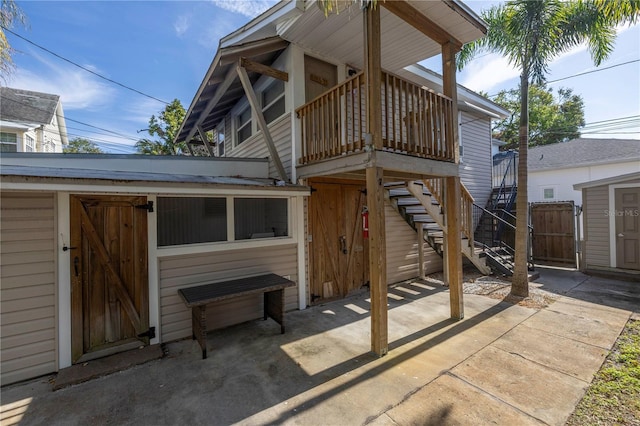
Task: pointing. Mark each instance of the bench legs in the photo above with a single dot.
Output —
(274, 307)
(199, 327)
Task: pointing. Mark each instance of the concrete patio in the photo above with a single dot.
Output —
(502, 364)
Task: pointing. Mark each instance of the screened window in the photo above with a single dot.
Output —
(191, 220)
(260, 218)
(549, 194)
(273, 101)
(243, 126)
(29, 144)
(8, 142)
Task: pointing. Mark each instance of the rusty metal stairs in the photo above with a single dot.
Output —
(418, 203)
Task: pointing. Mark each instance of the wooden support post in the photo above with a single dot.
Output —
(454, 250)
(450, 89)
(375, 185)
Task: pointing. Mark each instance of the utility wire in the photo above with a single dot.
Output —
(83, 68)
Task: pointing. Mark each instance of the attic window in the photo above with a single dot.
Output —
(273, 101)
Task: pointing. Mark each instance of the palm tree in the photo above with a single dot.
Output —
(530, 34)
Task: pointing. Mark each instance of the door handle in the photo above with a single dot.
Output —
(75, 264)
(621, 235)
(343, 244)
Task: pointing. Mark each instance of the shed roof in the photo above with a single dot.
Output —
(26, 106)
(608, 181)
(583, 152)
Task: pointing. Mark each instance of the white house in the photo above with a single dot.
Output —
(31, 121)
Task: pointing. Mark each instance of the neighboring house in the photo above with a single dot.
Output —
(31, 121)
(611, 214)
(555, 169)
(289, 89)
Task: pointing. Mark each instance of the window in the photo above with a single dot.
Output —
(243, 126)
(8, 142)
(29, 144)
(220, 139)
(191, 220)
(273, 101)
(548, 193)
(260, 218)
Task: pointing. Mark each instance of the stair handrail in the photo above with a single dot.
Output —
(436, 187)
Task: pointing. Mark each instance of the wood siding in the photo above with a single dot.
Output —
(256, 147)
(596, 229)
(402, 250)
(185, 271)
(27, 286)
(475, 168)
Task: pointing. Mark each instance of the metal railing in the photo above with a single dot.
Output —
(415, 121)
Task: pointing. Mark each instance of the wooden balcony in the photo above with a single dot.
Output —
(415, 121)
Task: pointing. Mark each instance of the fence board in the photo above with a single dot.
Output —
(554, 233)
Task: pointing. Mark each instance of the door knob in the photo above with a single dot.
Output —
(621, 235)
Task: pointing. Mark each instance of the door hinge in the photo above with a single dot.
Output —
(150, 333)
(148, 206)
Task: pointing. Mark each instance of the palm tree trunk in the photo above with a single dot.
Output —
(520, 279)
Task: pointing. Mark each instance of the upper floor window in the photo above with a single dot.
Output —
(219, 135)
(273, 101)
(29, 144)
(243, 125)
(8, 142)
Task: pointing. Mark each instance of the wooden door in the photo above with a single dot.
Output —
(319, 76)
(627, 218)
(109, 278)
(554, 233)
(337, 250)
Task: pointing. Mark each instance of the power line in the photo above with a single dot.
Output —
(83, 68)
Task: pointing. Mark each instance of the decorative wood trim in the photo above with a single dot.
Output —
(263, 69)
(262, 124)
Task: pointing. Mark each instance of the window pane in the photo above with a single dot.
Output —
(548, 193)
(260, 218)
(244, 117)
(244, 133)
(191, 220)
(8, 137)
(274, 111)
(272, 92)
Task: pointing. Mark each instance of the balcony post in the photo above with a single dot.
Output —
(453, 251)
(375, 184)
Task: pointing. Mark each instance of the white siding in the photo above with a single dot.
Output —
(475, 169)
(256, 147)
(27, 286)
(596, 238)
(186, 271)
(402, 249)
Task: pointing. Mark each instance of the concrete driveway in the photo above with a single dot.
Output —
(502, 364)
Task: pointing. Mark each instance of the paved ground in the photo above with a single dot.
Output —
(502, 364)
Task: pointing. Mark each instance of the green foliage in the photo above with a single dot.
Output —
(165, 129)
(10, 14)
(81, 146)
(551, 119)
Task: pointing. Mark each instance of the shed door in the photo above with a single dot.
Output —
(338, 256)
(109, 284)
(627, 228)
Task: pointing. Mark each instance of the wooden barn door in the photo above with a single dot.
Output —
(554, 233)
(109, 284)
(627, 222)
(337, 250)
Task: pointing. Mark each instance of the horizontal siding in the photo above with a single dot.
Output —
(27, 286)
(186, 271)
(596, 229)
(256, 147)
(475, 169)
(402, 249)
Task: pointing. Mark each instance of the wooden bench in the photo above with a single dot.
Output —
(197, 298)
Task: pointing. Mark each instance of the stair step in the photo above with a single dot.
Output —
(393, 185)
(414, 210)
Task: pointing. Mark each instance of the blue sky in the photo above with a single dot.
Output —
(164, 48)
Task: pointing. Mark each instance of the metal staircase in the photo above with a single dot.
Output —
(419, 203)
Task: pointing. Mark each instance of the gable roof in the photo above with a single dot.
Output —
(583, 152)
(25, 106)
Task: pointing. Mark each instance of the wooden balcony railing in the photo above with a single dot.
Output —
(415, 121)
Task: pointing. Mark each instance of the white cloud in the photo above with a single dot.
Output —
(250, 8)
(77, 88)
(181, 25)
(487, 72)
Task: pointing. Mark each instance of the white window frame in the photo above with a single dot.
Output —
(238, 127)
(4, 142)
(281, 96)
(544, 189)
(29, 143)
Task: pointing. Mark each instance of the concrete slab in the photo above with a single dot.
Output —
(589, 310)
(558, 280)
(543, 393)
(566, 355)
(449, 400)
